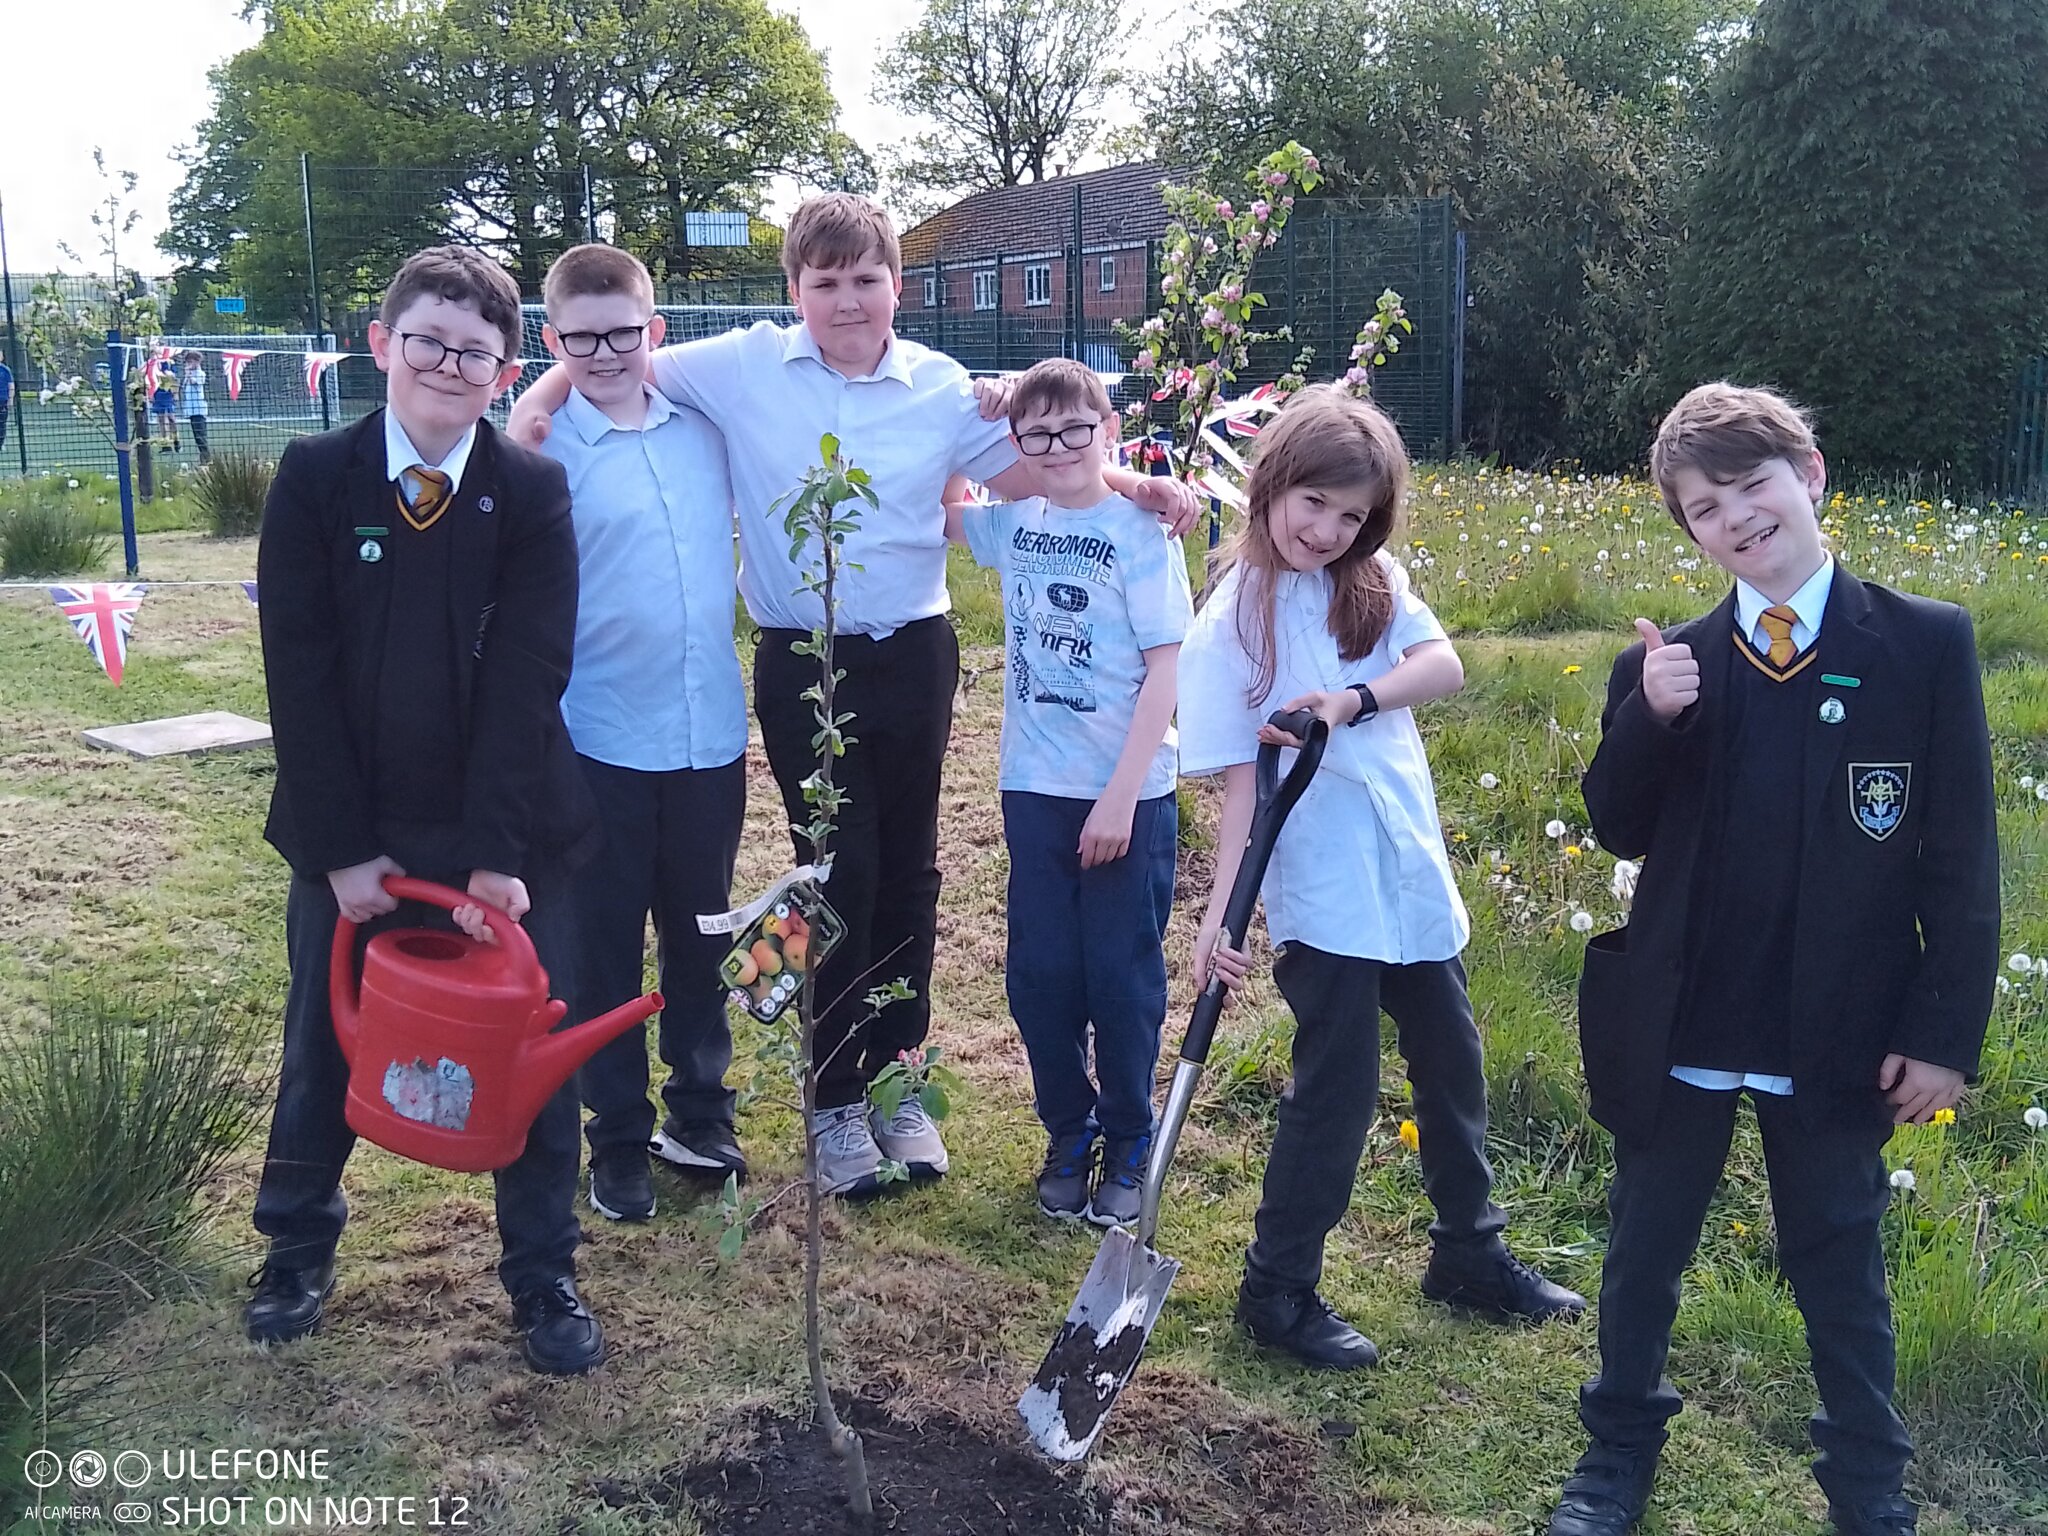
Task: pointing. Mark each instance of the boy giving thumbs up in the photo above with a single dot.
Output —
(1805, 772)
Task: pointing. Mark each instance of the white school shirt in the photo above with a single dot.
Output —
(192, 389)
(1360, 867)
(655, 684)
(400, 455)
(911, 424)
(1810, 602)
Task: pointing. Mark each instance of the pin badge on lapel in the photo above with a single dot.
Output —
(1831, 711)
(370, 551)
(485, 505)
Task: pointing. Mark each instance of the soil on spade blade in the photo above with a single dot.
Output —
(938, 1478)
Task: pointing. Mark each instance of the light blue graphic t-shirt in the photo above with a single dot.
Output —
(1085, 595)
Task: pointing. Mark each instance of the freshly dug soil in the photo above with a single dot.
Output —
(939, 1478)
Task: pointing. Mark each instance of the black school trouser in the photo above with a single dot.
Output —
(1334, 1096)
(299, 1204)
(885, 852)
(670, 842)
(1828, 1192)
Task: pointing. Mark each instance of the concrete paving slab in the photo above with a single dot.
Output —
(182, 735)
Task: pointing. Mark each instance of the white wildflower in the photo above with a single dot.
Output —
(2026, 781)
(2021, 961)
(2036, 1118)
(1623, 885)
(1554, 828)
(1488, 781)
(1902, 1178)
(1582, 922)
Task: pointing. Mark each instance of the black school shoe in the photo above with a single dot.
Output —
(1501, 1286)
(707, 1147)
(1607, 1492)
(1120, 1188)
(561, 1337)
(620, 1188)
(289, 1302)
(1305, 1326)
(1063, 1181)
(1892, 1515)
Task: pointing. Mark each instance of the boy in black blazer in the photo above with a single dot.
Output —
(1806, 773)
(419, 604)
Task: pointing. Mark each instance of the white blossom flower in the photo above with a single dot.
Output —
(2036, 1118)
(1554, 828)
(2021, 961)
(1902, 1178)
(71, 485)
(1623, 885)
(2026, 781)
(1582, 922)
(1488, 781)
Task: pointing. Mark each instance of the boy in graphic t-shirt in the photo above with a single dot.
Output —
(1096, 602)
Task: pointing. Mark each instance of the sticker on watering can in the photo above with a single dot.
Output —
(438, 1095)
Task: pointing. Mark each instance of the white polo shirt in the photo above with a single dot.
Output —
(911, 424)
(1360, 867)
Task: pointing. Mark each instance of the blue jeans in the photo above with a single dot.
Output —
(1085, 948)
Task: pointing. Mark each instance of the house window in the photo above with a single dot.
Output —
(1106, 283)
(985, 288)
(931, 293)
(1038, 283)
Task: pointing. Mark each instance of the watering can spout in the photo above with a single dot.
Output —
(548, 1061)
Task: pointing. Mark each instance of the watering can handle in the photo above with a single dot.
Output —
(1276, 797)
(345, 987)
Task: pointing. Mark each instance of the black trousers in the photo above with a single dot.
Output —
(299, 1204)
(1331, 1102)
(885, 853)
(198, 426)
(669, 844)
(1828, 1192)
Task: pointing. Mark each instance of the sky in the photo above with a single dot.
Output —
(130, 76)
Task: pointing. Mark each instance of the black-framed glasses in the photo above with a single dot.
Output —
(625, 338)
(1038, 444)
(424, 354)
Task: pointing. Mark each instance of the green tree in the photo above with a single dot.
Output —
(482, 116)
(1012, 87)
(1870, 235)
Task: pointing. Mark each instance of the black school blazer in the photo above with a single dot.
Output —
(507, 634)
(1896, 946)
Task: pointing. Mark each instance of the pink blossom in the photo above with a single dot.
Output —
(1370, 328)
(1232, 292)
(1276, 178)
(1311, 162)
(1357, 352)
(1287, 201)
(1356, 376)
(1223, 210)
(1272, 240)
(1143, 362)
(1208, 245)
(1262, 210)
(1154, 326)
(1212, 316)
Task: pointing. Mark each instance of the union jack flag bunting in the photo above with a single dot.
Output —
(249, 591)
(231, 366)
(103, 614)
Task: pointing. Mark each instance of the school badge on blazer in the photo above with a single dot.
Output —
(1877, 796)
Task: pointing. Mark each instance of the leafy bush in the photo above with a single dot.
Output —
(230, 492)
(43, 534)
(111, 1119)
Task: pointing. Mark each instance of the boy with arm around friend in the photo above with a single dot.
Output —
(1806, 774)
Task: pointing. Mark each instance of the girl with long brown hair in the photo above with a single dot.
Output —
(1312, 610)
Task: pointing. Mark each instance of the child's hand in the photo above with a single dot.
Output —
(1174, 504)
(1671, 674)
(505, 892)
(993, 396)
(1333, 709)
(359, 889)
(1106, 834)
(1918, 1088)
(528, 424)
(1231, 965)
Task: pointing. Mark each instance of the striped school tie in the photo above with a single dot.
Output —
(431, 492)
(1777, 621)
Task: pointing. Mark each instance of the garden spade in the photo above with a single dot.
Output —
(1096, 1350)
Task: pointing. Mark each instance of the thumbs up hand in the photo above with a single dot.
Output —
(1671, 674)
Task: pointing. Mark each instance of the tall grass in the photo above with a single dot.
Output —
(43, 533)
(230, 491)
(114, 1112)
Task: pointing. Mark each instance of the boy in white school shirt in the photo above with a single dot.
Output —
(658, 715)
(908, 416)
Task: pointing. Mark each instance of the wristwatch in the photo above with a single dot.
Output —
(1368, 706)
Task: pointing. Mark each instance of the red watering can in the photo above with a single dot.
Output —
(449, 1041)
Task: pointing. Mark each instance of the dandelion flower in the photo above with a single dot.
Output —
(2041, 790)
(1573, 851)
(2026, 781)
(1944, 1116)
(2021, 962)
(1553, 828)
(2036, 1118)
(1623, 885)
(1488, 781)
(1572, 669)
(1582, 921)
(1739, 1228)
(1902, 1178)
(1411, 1138)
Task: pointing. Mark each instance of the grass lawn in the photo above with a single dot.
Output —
(942, 1299)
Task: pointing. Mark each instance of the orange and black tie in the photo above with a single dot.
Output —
(431, 492)
(1777, 621)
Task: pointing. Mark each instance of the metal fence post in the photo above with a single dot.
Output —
(1074, 289)
(1455, 322)
(13, 359)
(589, 205)
(319, 320)
(330, 385)
(117, 378)
(939, 298)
